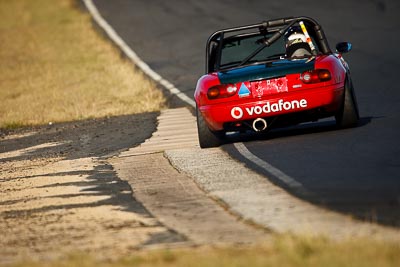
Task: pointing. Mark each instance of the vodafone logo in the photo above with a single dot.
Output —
(237, 113)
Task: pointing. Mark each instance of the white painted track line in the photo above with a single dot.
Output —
(289, 181)
(113, 35)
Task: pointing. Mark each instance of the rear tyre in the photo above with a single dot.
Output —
(207, 138)
(348, 115)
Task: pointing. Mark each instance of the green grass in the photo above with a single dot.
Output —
(283, 251)
(56, 67)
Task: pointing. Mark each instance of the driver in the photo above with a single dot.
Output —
(296, 43)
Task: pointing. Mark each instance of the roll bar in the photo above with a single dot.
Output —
(267, 26)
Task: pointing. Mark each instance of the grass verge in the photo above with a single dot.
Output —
(284, 251)
(55, 67)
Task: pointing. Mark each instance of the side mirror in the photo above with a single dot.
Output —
(343, 47)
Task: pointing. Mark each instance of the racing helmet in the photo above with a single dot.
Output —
(296, 43)
(294, 35)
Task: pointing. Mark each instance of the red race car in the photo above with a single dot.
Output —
(273, 74)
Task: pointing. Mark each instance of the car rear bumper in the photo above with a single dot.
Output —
(328, 98)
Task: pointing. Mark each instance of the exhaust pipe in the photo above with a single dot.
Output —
(259, 125)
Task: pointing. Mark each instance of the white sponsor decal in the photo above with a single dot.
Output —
(237, 113)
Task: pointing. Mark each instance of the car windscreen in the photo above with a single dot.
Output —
(237, 49)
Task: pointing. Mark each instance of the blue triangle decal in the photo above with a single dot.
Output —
(243, 91)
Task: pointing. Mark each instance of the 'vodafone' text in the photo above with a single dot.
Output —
(237, 112)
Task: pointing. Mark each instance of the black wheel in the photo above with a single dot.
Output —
(348, 115)
(207, 138)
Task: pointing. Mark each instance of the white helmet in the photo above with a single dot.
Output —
(296, 43)
(296, 38)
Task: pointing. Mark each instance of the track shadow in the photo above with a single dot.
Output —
(102, 182)
(95, 139)
(72, 140)
(302, 129)
(366, 203)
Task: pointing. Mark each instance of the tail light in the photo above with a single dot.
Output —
(315, 76)
(221, 91)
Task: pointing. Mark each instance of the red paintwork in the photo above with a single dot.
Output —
(324, 94)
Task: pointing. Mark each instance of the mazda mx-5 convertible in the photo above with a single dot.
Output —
(273, 74)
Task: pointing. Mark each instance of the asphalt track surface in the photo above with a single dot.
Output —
(354, 171)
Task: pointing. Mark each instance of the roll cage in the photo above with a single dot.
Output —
(275, 29)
